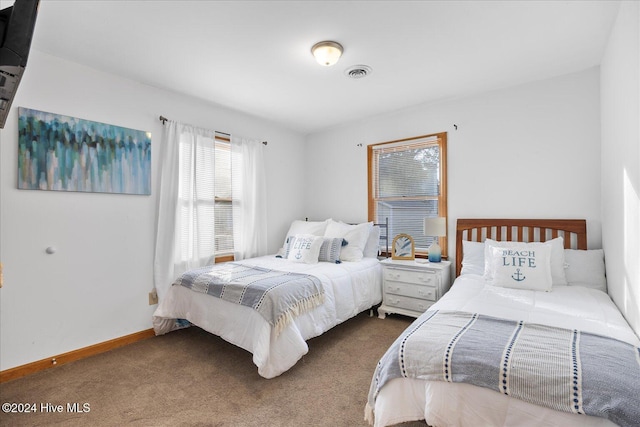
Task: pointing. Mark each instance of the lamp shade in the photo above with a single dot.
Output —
(327, 53)
(436, 227)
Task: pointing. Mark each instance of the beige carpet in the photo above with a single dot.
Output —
(193, 378)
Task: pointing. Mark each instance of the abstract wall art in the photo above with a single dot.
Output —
(65, 153)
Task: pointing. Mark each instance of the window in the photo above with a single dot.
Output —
(204, 194)
(223, 214)
(407, 183)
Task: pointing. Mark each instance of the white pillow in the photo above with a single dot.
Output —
(315, 228)
(355, 235)
(585, 268)
(521, 266)
(557, 257)
(305, 248)
(372, 248)
(472, 258)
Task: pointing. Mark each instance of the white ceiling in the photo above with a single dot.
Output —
(254, 56)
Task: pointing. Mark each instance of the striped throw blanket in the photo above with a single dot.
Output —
(566, 370)
(278, 296)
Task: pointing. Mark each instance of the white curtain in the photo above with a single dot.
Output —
(249, 198)
(185, 223)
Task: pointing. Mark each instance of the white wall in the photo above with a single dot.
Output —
(528, 151)
(620, 87)
(531, 151)
(94, 288)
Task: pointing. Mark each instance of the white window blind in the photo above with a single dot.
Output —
(205, 198)
(223, 199)
(406, 182)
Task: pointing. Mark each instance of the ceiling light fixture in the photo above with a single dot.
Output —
(327, 53)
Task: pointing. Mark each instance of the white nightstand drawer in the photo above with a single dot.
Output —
(410, 287)
(425, 277)
(413, 291)
(408, 303)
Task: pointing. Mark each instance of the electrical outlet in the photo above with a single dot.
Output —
(153, 297)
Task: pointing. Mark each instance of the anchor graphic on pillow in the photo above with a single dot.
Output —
(517, 276)
(299, 255)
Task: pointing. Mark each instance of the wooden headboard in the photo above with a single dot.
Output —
(573, 231)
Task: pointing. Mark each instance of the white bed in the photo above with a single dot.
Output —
(443, 403)
(349, 288)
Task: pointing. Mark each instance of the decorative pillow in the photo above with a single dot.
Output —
(372, 247)
(315, 228)
(305, 248)
(522, 266)
(472, 258)
(329, 251)
(585, 268)
(356, 235)
(331, 248)
(557, 257)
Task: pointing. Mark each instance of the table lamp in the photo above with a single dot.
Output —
(435, 227)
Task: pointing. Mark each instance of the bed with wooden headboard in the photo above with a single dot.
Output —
(492, 353)
(573, 232)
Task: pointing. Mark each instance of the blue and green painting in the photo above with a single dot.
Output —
(65, 153)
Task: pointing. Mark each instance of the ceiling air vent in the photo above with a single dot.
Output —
(358, 71)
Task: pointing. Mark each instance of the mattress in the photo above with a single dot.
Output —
(350, 288)
(458, 404)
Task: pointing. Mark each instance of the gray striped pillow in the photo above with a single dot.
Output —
(330, 249)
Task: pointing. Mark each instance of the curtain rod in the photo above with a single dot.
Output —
(164, 120)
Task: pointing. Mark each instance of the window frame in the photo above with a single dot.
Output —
(442, 198)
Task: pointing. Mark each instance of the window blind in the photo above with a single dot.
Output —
(205, 198)
(406, 183)
(223, 199)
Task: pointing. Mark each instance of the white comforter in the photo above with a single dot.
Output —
(350, 288)
(457, 404)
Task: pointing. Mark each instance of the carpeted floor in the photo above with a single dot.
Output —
(193, 378)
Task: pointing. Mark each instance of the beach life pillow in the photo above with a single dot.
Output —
(585, 268)
(305, 248)
(521, 266)
(315, 228)
(355, 235)
(472, 258)
(558, 276)
(329, 251)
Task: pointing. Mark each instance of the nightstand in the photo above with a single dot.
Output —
(410, 287)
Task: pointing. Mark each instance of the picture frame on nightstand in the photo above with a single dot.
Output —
(403, 247)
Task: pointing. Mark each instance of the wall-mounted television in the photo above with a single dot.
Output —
(17, 23)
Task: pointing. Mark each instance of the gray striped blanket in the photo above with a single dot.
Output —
(566, 370)
(278, 296)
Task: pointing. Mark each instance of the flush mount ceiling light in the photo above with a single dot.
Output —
(327, 53)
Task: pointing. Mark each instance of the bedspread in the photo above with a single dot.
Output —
(562, 369)
(277, 295)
